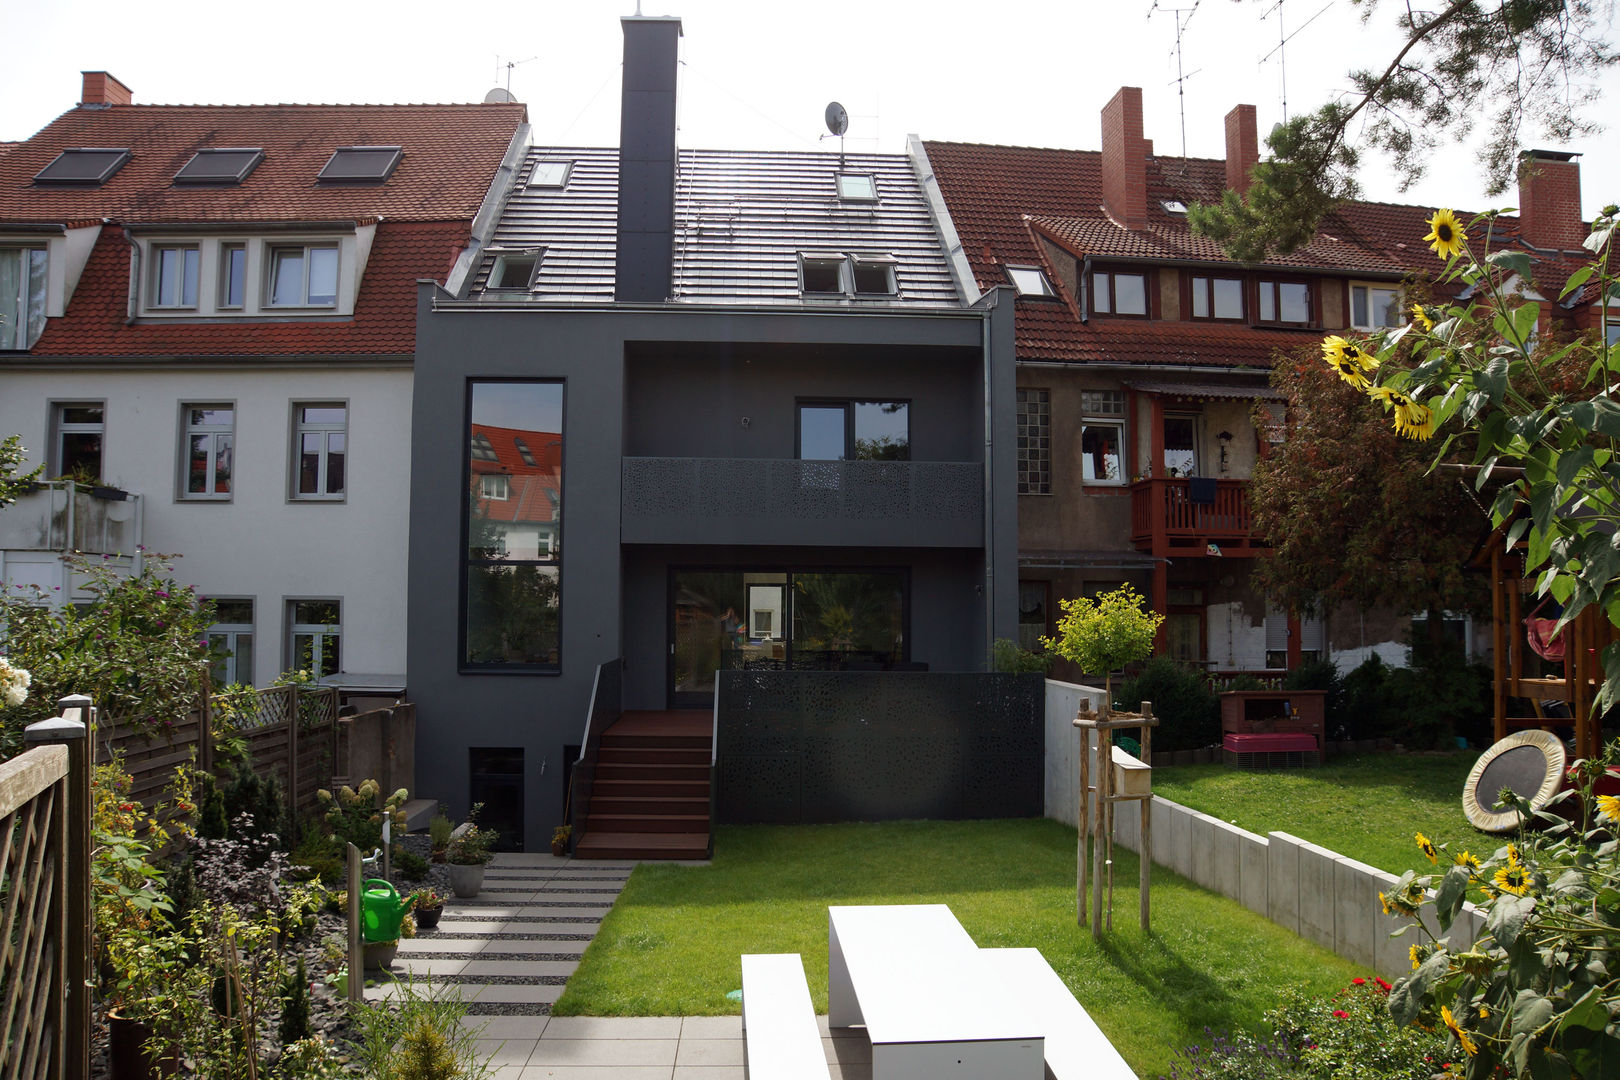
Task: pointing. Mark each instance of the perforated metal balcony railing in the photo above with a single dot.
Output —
(667, 500)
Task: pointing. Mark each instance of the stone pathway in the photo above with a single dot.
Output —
(510, 951)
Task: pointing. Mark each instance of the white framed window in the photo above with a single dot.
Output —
(174, 275)
(857, 187)
(230, 641)
(23, 284)
(320, 450)
(1030, 281)
(1611, 332)
(303, 275)
(315, 636)
(1102, 437)
(208, 451)
(514, 269)
(495, 486)
(232, 275)
(1373, 307)
(1217, 297)
(550, 174)
(78, 429)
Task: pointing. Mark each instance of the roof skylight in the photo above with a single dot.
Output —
(858, 187)
(1173, 206)
(1029, 281)
(550, 174)
(361, 165)
(223, 165)
(83, 166)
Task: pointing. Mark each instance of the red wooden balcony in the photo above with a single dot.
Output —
(1165, 519)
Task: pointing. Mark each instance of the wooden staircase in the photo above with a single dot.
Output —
(650, 799)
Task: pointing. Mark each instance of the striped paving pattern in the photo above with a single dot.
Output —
(510, 950)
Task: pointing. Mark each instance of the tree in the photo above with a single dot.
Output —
(1353, 512)
(12, 485)
(1517, 62)
(1105, 634)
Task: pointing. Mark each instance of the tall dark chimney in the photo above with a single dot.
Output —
(646, 232)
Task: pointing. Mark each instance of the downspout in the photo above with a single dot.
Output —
(134, 277)
(1085, 278)
(986, 348)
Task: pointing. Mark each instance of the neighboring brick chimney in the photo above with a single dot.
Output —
(1550, 200)
(645, 264)
(1242, 147)
(101, 88)
(1124, 159)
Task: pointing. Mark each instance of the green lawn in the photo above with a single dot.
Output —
(671, 944)
(1365, 806)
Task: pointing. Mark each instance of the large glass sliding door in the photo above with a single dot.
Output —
(778, 619)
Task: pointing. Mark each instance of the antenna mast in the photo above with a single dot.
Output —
(1183, 16)
(1281, 51)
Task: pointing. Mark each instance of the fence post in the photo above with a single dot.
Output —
(71, 729)
(357, 960)
(294, 722)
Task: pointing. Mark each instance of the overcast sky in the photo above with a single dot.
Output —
(756, 74)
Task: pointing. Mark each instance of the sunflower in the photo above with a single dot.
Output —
(1418, 953)
(1462, 1036)
(1513, 854)
(1446, 234)
(1609, 807)
(1471, 861)
(1413, 419)
(1351, 361)
(1426, 846)
(1514, 879)
(1397, 904)
(1422, 317)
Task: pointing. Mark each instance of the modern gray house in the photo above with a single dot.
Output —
(684, 413)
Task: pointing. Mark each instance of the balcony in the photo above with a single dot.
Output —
(825, 503)
(61, 516)
(1165, 519)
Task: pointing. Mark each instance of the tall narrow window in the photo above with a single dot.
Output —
(1180, 445)
(209, 451)
(232, 275)
(230, 642)
(315, 636)
(320, 449)
(174, 275)
(1034, 442)
(22, 296)
(512, 554)
(77, 440)
(1034, 602)
(1102, 437)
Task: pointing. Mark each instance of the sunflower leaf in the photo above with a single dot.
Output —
(1514, 262)
(1493, 379)
(1531, 1012)
(1507, 919)
(1448, 899)
(1577, 279)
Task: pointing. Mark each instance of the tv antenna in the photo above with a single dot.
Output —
(1281, 51)
(1183, 16)
(509, 65)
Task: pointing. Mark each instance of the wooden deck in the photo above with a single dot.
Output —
(650, 799)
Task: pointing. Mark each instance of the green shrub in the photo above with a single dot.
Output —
(1368, 711)
(439, 830)
(1188, 712)
(1243, 680)
(410, 864)
(1007, 655)
(294, 1023)
(1350, 1036)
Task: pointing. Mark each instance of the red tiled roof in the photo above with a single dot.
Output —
(384, 320)
(534, 491)
(451, 153)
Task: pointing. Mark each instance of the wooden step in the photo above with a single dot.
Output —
(649, 771)
(644, 788)
(629, 845)
(653, 755)
(672, 741)
(648, 823)
(639, 803)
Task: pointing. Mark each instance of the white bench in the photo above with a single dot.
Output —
(779, 1022)
(1075, 1046)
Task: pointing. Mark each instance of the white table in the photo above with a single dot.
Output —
(932, 1001)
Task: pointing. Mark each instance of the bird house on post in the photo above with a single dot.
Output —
(1112, 776)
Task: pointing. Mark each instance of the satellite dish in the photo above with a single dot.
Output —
(837, 118)
(499, 96)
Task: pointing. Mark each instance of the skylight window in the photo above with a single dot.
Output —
(821, 273)
(550, 174)
(361, 165)
(524, 452)
(83, 167)
(482, 448)
(859, 187)
(1173, 206)
(1029, 281)
(514, 269)
(874, 276)
(220, 166)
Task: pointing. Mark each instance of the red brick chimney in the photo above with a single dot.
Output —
(1124, 159)
(1550, 200)
(101, 88)
(1242, 147)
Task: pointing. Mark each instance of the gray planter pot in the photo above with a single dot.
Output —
(377, 955)
(466, 880)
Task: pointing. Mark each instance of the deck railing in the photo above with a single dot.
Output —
(605, 707)
(1163, 507)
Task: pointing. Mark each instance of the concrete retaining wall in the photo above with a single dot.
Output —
(1063, 748)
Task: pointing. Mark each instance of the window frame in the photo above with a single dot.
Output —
(1111, 274)
(186, 275)
(1046, 290)
(1208, 280)
(1034, 462)
(498, 264)
(886, 264)
(851, 435)
(61, 427)
(22, 337)
(1196, 421)
(187, 431)
(273, 252)
(550, 185)
(227, 268)
(504, 487)
(1092, 417)
(845, 196)
(231, 631)
(1273, 284)
(300, 428)
(320, 632)
(1369, 325)
(836, 263)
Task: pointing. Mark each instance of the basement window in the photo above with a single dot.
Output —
(219, 166)
(83, 167)
(361, 165)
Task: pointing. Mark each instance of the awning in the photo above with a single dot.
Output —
(1208, 391)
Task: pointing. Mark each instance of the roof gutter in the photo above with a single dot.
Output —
(234, 227)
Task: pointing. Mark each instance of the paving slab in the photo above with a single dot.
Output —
(609, 1052)
(711, 1027)
(614, 1027)
(429, 946)
(710, 1072)
(506, 1027)
(537, 969)
(431, 966)
(526, 945)
(503, 1052)
(710, 1052)
(594, 1072)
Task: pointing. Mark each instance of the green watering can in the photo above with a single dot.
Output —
(381, 910)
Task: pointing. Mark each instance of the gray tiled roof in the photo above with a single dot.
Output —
(741, 220)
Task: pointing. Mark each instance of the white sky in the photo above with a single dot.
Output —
(756, 74)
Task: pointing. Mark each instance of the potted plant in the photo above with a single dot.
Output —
(559, 839)
(428, 906)
(439, 830)
(377, 955)
(469, 849)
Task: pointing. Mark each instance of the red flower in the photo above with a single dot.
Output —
(126, 807)
(1382, 985)
(1358, 981)
(1341, 1014)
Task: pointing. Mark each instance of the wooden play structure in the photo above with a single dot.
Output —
(1567, 669)
(1120, 778)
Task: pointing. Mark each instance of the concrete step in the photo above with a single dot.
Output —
(647, 823)
(630, 845)
(418, 812)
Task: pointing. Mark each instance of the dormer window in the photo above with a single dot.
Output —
(1217, 297)
(1285, 302)
(494, 486)
(857, 187)
(1374, 307)
(1030, 281)
(183, 273)
(174, 275)
(219, 166)
(83, 167)
(1117, 293)
(514, 269)
(22, 295)
(361, 165)
(550, 174)
(304, 275)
